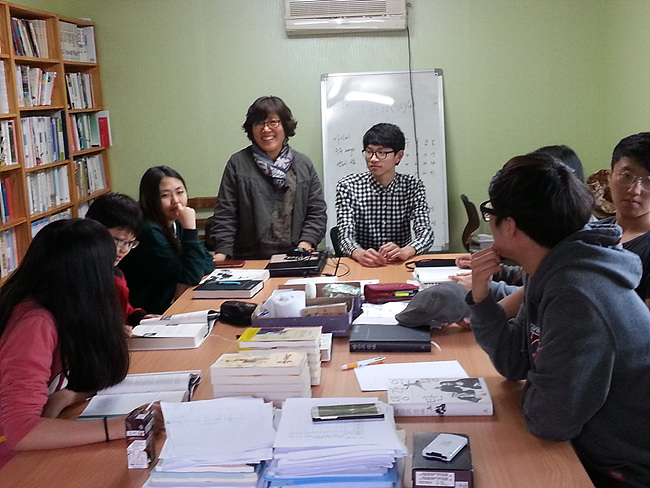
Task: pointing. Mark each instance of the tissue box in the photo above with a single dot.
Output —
(338, 325)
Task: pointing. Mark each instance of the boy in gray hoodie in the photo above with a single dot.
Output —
(581, 339)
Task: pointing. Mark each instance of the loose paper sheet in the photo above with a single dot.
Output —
(375, 377)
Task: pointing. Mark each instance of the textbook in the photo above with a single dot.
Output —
(141, 389)
(229, 274)
(431, 473)
(389, 338)
(228, 289)
(284, 339)
(246, 364)
(180, 331)
(281, 337)
(431, 276)
(420, 397)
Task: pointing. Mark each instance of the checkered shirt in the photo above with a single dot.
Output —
(370, 215)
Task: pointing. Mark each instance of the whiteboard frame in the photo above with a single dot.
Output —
(441, 242)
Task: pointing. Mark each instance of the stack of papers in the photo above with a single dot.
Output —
(351, 453)
(218, 443)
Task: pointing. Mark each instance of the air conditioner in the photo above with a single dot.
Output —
(304, 17)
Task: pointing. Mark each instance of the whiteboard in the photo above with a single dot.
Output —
(351, 103)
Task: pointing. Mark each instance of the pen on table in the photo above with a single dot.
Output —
(155, 399)
(365, 362)
(229, 283)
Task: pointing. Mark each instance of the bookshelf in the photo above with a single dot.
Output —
(54, 131)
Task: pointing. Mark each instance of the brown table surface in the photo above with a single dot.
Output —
(504, 452)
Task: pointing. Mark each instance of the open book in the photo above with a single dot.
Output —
(142, 389)
(180, 331)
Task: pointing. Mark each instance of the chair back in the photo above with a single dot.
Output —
(473, 221)
(204, 207)
(336, 241)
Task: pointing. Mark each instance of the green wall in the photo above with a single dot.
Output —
(178, 77)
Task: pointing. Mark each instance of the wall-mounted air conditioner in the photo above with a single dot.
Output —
(304, 17)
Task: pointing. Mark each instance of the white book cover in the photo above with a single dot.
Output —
(161, 336)
(273, 363)
(269, 337)
(437, 274)
(420, 397)
(237, 274)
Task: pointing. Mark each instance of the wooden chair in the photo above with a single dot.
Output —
(204, 207)
(473, 221)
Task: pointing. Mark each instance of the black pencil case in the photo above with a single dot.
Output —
(235, 312)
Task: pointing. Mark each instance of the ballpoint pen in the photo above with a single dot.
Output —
(365, 362)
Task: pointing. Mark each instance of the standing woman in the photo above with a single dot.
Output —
(61, 339)
(169, 253)
(270, 199)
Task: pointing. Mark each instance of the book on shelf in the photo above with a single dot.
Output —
(228, 289)
(77, 42)
(104, 122)
(38, 224)
(180, 331)
(90, 176)
(29, 37)
(247, 364)
(389, 338)
(7, 143)
(141, 389)
(4, 98)
(48, 188)
(420, 397)
(8, 257)
(43, 139)
(431, 473)
(236, 274)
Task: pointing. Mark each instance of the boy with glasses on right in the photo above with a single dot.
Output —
(376, 210)
(629, 183)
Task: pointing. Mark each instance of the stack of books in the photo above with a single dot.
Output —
(286, 339)
(273, 376)
(349, 453)
(190, 456)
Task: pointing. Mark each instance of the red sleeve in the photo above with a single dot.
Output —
(132, 315)
(27, 353)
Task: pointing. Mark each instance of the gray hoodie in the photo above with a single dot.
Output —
(581, 340)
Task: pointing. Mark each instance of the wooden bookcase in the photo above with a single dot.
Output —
(33, 190)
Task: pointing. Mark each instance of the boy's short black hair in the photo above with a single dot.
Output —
(385, 135)
(542, 195)
(567, 156)
(635, 147)
(116, 210)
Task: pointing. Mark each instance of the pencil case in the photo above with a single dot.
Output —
(389, 292)
(235, 312)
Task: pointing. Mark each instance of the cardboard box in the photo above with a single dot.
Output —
(430, 473)
(338, 325)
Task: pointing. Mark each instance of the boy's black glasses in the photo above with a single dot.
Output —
(381, 155)
(487, 211)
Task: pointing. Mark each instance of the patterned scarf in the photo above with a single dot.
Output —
(276, 170)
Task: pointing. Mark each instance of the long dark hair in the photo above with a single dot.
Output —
(68, 270)
(150, 199)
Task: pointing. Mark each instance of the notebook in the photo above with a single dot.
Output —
(282, 265)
